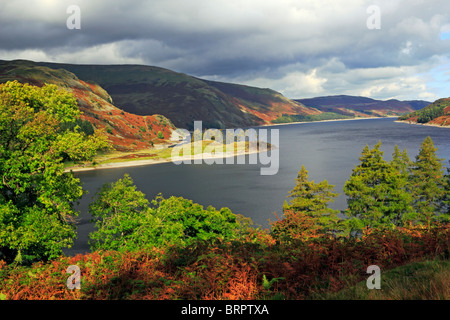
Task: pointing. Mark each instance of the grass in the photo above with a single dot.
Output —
(308, 118)
(207, 147)
(428, 280)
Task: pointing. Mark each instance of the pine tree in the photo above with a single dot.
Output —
(312, 199)
(402, 164)
(401, 161)
(428, 183)
(376, 191)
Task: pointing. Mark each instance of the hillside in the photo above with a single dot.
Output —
(424, 280)
(124, 99)
(125, 130)
(436, 113)
(362, 106)
(146, 90)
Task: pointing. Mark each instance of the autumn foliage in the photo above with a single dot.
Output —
(227, 270)
(176, 249)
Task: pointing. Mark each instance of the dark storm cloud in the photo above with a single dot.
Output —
(301, 48)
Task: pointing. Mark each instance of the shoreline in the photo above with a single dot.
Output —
(332, 120)
(203, 156)
(423, 124)
(137, 163)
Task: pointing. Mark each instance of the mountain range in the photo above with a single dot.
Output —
(144, 90)
(362, 106)
(139, 106)
(182, 98)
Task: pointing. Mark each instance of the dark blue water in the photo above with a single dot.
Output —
(328, 150)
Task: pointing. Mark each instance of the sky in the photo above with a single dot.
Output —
(395, 49)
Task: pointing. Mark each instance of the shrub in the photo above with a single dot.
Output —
(227, 270)
(126, 221)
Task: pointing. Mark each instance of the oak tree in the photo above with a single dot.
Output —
(36, 194)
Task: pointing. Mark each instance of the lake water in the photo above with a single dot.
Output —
(328, 150)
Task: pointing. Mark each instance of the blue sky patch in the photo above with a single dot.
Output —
(445, 35)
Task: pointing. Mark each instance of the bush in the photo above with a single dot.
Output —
(126, 221)
(229, 270)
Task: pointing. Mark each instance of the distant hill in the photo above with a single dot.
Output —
(436, 113)
(135, 102)
(125, 130)
(362, 106)
(146, 90)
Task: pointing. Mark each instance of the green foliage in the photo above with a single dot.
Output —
(79, 125)
(126, 221)
(287, 118)
(376, 191)
(119, 210)
(398, 193)
(425, 280)
(428, 184)
(160, 135)
(401, 162)
(309, 196)
(36, 195)
(311, 200)
(446, 199)
(430, 112)
(268, 287)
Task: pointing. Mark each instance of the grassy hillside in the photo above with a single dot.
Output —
(427, 280)
(436, 113)
(362, 106)
(183, 99)
(308, 118)
(125, 130)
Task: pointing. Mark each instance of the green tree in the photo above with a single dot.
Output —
(376, 191)
(36, 194)
(446, 202)
(125, 220)
(117, 212)
(310, 199)
(402, 164)
(428, 184)
(401, 161)
(196, 222)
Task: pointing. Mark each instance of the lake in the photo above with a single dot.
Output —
(328, 150)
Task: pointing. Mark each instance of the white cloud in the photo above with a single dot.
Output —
(294, 84)
(298, 47)
(29, 54)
